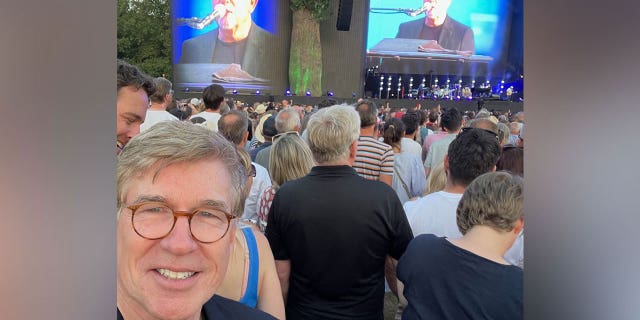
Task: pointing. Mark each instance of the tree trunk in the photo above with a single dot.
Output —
(305, 62)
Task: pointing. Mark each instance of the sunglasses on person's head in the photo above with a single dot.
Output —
(285, 133)
(466, 129)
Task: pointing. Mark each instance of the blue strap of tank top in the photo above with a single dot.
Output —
(250, 297)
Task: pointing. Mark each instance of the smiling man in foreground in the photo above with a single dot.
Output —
(179, 194)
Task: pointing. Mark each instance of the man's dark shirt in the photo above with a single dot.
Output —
(430, 33)
(229, 52)
(336, 228)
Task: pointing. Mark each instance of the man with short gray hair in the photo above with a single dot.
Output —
(332, 230)
(287, 121)
(179, 194)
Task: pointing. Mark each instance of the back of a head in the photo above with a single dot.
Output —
(493, 199)
(290, 158)
(130, 75)
(331, 131)
(423, 117)
(182, 112)
(287, 120)
(233, 125)
(503, 132)
(511, 160)
(514, 128)
(451, 120)
(327, 102)
(163, 88)
(437, 179)
(212, 96)
(411, 122)
(484, 123)
(433, 117)
(368, 112)
(393, 130)
(472, 153)
(169, 142)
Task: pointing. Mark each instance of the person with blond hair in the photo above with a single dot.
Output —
(289, 159)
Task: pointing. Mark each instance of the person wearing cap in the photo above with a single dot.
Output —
(268, 131)
(213, 97)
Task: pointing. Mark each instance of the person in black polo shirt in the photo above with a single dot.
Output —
(331, 231)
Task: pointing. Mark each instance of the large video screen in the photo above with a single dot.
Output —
(242, 45)
(446, 42)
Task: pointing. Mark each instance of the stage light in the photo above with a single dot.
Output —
(469, 98)
(381, 78)
(457, 97)
(257, 92)
(235, 91)
(329, 93)
(287, 93)
(308, 93)
(186, 89)
(353, 94)
(448, 80)
(502, 81)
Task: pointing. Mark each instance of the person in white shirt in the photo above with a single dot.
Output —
(212, 97)
(159, 101)
(411, 122)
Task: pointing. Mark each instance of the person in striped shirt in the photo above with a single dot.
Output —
(374, 159)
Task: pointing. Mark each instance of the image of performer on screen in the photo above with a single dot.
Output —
(236, 40)
(438, 25)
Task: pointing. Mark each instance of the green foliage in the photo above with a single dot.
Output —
(144, 35)
(319, 8)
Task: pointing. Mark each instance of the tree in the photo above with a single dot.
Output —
(144, 35)
(305, 60)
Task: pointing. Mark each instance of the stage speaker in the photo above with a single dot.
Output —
(344, 15)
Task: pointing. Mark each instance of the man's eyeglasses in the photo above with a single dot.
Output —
(155, 220)
(285, 133)
(467, 129)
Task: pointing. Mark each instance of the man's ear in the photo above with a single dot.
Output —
(446, 163)
(518, 226)
(353, 149)
(245, 136)
(494, 169)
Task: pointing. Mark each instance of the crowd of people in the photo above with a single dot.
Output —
(276, 210)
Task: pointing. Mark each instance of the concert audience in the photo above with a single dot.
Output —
(374, 159)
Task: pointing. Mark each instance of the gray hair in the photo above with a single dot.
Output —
(170, 142)
(287, 120)
(331, 131)
(503, 132)
(493, 199)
